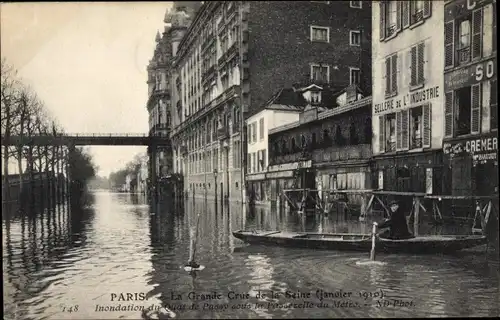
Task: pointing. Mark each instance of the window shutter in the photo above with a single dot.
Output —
(398, 131)
(421, 48)
(449, 53)
(387, 76)
(413, 67)
(382, 20)
(426, 125)
(406, 14)
(493, 105)
(398, 16)
(394, 74)
(477, 24)
(427, 9)
(475, 108)
(404, 129)
(494, 32)
(381, 134)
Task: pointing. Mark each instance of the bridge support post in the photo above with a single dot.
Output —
(71, 150)
(154, 178)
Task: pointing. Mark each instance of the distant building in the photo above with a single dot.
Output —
(142, 177)
(235, 55)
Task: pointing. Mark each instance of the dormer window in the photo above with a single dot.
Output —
(316, 97)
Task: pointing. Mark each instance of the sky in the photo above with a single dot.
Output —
(87, 62)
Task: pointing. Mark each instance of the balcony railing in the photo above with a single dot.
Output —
(391, 30)
(232, 51)
(463, 55)
(418, 16)
(183, 150)
(208, 74)
(223, 133)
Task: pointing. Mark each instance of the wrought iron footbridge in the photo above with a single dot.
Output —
(87, 139)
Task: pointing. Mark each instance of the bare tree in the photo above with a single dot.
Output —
(26, 110)
(9, 98)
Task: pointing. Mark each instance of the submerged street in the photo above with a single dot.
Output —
(115, 258)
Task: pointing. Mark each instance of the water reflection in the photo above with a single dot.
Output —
(120, 243)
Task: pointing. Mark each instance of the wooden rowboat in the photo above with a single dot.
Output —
(360, 242)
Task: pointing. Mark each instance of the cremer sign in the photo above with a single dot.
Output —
(481, 148)
(411, 99)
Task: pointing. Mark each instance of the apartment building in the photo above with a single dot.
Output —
(470, 91)
(177, 20)
(408, 95)
(234, 56)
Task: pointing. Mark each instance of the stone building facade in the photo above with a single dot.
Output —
(159, 103)
(408, 96)
(234, 56)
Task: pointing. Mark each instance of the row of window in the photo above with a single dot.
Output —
(405, 130)
(322, 34)
(203, 162)
(321, 74)
(257, 161)
(470, 36)
(416, 58)
(463, 109)
(395, 16)
(352, 4)
(210, 126)
(329, 138)
(252, 131)
(209, 160)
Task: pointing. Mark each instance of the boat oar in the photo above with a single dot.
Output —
(374, 236)
(195, 241)
(192, 266)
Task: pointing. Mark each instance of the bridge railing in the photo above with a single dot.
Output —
(74, 134)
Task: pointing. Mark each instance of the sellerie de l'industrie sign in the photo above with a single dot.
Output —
(406, 100)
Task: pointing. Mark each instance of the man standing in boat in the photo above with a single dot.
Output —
(398, 227)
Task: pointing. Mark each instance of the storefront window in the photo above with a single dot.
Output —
(390, 131)
(416, 128)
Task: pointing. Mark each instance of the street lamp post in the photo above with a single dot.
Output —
(242, 109)
(215, 183)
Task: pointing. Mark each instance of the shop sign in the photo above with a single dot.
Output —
(290, 166)
(459, 8)
(465, 77)
(406, 100)
(482, 149)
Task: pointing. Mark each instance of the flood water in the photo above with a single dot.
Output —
(116, 254)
